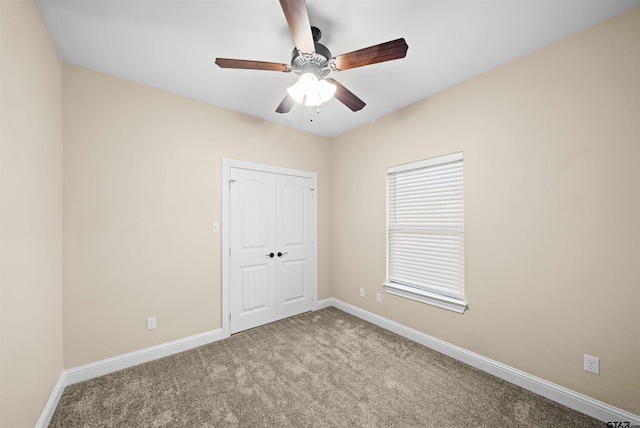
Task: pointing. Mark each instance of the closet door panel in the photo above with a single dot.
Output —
(294, 237)
(252, 274)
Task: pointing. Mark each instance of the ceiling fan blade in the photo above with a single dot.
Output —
(346, 97)
(252, 65)
(286, 104)
(298, 19)
(388, 51)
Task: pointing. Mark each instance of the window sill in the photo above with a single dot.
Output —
(422, 296)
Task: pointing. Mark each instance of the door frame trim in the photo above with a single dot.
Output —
(227, 164)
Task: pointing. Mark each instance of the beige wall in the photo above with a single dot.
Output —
(141, 188)
(552, 193)
(30, 214)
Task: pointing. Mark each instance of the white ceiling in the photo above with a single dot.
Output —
(172, 44)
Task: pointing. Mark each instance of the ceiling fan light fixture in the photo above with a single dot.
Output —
(326, 90)
(310, 91)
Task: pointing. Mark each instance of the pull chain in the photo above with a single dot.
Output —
(317, 112)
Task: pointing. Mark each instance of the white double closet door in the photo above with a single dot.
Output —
(271, 258)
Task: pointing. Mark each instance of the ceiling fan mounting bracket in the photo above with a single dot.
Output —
(316, 34)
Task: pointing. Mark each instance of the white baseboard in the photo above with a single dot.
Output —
(52, 403)
(110, 365)
(557, 393)
(324, 303)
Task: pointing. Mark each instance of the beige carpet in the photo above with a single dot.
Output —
(319, 369)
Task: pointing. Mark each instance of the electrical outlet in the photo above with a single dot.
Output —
(591, 364)
(151, 323)
(362, 292)
(378, 297)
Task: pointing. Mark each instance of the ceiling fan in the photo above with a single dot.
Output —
(313, 62)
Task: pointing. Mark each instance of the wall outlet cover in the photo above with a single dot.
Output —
(591, 364)
(151, 323)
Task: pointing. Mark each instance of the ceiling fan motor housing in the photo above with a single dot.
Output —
(316, 63)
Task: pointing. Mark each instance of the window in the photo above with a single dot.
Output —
(425, 225)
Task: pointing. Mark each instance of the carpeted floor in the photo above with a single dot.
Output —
(319, 369)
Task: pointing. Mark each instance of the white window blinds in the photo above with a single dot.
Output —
(426, 227)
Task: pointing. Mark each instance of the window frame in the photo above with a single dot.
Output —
(417, 293)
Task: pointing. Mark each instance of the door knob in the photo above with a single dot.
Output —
(270, 255)
(281, 254)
